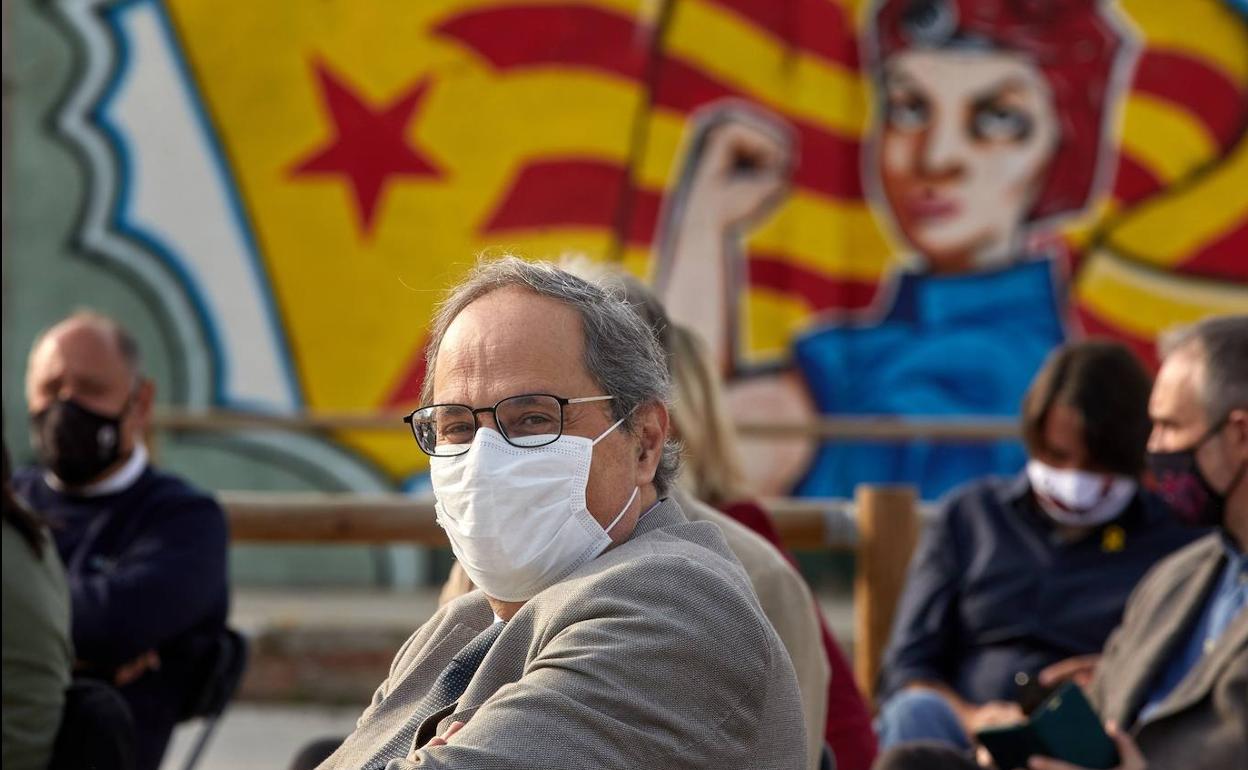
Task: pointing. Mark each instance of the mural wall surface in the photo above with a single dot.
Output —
(884, 208)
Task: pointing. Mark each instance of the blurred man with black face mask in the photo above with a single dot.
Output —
(145, 553)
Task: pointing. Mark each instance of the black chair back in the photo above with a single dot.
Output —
(223, 667)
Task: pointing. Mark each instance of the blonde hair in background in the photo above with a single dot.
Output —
(701, 423)
(711, 469)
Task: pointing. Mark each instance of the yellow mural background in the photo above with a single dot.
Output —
(355, 305)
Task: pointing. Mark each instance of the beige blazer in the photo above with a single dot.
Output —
(654, 655)
(788, 604)
(1203, 724)
(786, 601)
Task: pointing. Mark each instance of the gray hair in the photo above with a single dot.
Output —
(621, 353)
(1222, 342)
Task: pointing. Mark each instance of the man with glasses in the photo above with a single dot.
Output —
(608, 631)
(144, 552)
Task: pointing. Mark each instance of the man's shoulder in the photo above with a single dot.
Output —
(168, 482)
(694, 547)
(471, 609)
(165, 487)
(678, 540)
(753, 550)
(678, 569)
(168, 503)
(780, 588)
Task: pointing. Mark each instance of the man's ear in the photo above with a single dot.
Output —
(650, 427)
(144, 399)
(1237, 432)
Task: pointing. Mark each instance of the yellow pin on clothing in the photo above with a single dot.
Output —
(1113, 539)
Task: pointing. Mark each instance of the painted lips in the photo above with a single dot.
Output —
(926, 206)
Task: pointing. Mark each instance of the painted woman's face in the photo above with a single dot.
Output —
(965, 141)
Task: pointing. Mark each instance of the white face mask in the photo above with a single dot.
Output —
(516, 517)
(1079, 498)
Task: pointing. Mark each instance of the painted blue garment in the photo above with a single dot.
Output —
(948, 345)
(1226, 601)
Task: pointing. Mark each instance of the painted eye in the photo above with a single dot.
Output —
(999, 123)
(908, 112)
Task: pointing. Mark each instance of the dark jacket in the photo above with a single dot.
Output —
(992, 591)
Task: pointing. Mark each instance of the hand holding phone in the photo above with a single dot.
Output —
(1064, 727)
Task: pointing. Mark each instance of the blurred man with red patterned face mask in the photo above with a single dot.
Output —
(1197, 450)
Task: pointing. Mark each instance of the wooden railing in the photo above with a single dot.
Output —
(860, 428)
(339, 518)
(880, 526)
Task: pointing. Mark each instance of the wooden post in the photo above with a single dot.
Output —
(888, 529)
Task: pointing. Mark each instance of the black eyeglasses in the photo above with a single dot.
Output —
(530, 420)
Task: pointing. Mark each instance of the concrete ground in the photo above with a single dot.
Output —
(260, 736)
(267, 608)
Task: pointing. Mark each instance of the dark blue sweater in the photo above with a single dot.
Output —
(146, 566)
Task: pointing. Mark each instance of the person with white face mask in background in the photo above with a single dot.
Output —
(1019, 581)
(608, 630)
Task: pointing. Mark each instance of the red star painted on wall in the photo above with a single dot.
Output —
(369, 145)
(406, 391)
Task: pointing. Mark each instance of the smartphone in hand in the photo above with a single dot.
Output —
(1064, 727)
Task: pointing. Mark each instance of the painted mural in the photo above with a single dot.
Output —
(891, 207)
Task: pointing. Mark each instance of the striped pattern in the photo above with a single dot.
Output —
(1171, 205)
(558, 125)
